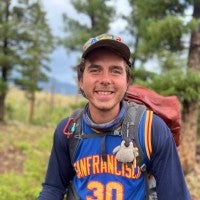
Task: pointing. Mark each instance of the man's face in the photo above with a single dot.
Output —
(104, 81)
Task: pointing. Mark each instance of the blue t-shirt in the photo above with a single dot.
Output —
(95, 179)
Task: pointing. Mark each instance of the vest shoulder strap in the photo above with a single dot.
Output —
(130, 125)
(73, 131)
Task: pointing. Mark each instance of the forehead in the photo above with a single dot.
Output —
(101, 54)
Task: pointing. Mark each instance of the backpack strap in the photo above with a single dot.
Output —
(134, 113)
(130, 133)
(73, 127)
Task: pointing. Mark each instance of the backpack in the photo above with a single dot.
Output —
(139, 100)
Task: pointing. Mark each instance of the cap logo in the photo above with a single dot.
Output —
(101, 37)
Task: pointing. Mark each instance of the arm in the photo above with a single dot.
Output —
(165, 164)
(60, 170)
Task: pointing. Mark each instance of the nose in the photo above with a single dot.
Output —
(105, 78)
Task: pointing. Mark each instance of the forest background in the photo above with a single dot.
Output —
(164, 37)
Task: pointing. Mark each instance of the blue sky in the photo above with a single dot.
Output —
(61, 62)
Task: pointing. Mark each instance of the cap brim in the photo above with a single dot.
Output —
(118, 47)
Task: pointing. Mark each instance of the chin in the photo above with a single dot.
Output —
(106, 106)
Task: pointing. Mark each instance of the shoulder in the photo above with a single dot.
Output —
(59, 136)
(67, 123)
(160, 128)
(61, 125)
(156, 135)
(161, 136)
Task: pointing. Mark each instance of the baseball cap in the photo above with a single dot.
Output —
(111, 41)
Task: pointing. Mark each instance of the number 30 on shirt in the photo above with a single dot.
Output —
(105, 192)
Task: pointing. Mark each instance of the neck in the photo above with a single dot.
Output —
(104, 120)
(101, 116)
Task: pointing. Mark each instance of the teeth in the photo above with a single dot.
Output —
(104, 93)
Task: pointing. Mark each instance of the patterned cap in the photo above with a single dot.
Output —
(113, 42)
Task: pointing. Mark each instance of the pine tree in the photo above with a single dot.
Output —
(20, 23)
(159, 29)
(35, 67)
(12, 40)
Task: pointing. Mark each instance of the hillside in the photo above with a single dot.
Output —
(59, 87)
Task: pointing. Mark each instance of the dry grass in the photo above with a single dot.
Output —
(49, 108)
(42, 98)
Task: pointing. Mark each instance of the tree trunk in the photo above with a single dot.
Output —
(190, 112)
(194, 50)
(2, 106)
(187, 149)
(4, 69)
(32, 108)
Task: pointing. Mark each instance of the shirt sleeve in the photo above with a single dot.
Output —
(60, 171)
(165, 164)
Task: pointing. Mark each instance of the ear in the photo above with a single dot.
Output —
(128, 84)
(80, 83)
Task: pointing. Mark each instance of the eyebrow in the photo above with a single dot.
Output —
(111, 66)
(90, 66)
(117, 66)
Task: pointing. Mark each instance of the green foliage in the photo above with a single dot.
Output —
(157, 26)
(163, 34)
(170, 61)
(37, 52)
(158, 8)
(141, 75)
(3, 87)
(55, 113)
(184, 84)
(25, 44)
(98, 20)
(77, 106)
(27, 184)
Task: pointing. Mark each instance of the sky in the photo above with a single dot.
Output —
(61, 62)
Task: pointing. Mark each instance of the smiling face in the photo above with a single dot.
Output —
(104, 83)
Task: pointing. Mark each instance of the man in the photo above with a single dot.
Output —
(94, 172)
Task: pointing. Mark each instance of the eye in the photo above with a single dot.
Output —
(117, 70)
(94, 69)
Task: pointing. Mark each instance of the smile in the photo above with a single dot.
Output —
(104, 93)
